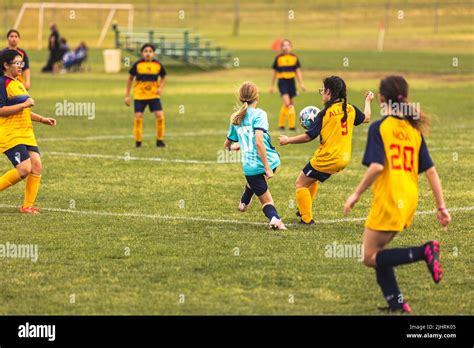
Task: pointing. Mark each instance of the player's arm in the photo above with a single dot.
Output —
(298, 139)
(367, 108)
(370, 175)
(442, 213)
(162, 85)
(44, 120)
(6, 111)
(262, 153)
(274, 77)
(128, 89)
(299, 78)
(27, 76)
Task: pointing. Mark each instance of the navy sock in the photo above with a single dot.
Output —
(270, 211)
(388, 283)
(247, 195)
(399, 256)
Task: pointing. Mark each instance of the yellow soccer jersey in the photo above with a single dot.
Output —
(285, 65)
(334, 152)
(401, 149)
(147, 75)
(17, 128)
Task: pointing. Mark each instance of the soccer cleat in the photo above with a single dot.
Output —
(405, 308)
(29, 210)
(281, 128)
(160, 143)
(277, 224)
(244, 207)
(432, 257)
(298, 214)
(307, 223)
(138, 144)
(292, 129)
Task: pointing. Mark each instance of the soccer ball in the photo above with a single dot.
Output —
(307, 116)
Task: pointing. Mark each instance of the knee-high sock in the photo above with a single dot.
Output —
(399, 256)
(160, 128)
(31, 190)
(291, 117)
(282, 117)
(388, 284)
(304, 203)
(10, 178)
(270, 211)
(138, 129)
(247, 195)
(313, 189)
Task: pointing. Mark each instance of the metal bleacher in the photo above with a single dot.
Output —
(180, 44)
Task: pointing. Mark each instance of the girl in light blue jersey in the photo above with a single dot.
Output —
(249, 128)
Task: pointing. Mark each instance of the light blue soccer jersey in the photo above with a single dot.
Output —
(244, 134)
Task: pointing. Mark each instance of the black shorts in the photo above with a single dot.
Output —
(258, 183)
(153, 104)
(19, 153)
(287, 86)
(310, 172)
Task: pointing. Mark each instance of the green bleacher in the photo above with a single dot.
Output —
(180, 44)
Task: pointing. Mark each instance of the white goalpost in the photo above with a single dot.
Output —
(113, 8)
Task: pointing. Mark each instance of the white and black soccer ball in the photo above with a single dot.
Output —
(307, 116)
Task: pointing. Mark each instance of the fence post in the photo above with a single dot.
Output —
(186, 46)
(236, 30)
(162, 47)
(117, 36)
(150, 37)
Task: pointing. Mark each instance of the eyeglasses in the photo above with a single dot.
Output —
(18, 64)
(321, 90)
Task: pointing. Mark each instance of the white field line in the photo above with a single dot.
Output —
(201, 219)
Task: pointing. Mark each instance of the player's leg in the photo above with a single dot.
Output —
(32, 182)
(139, 107)
(304, 200)
(285, 98)
(157, 109)
(20, 159)
(246, 198)
(291, 114)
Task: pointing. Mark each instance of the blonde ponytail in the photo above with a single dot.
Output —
(247, 94)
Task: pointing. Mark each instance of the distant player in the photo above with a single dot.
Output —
(13, 39)
(396, 153)
(249, 128)
(150, 79)
(17, 139)
(285, 68)
(334, 125)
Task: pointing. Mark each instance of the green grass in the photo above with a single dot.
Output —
(172, 252)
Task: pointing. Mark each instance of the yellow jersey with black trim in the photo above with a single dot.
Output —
(394, 143)
(15, 129)
(334, 152)
(147, 78)
(286, 65)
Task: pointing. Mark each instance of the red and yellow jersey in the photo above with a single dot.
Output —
(334, 152)
(401, 149)
(147, 75)
(285, 65)
(25, 58)
(17, 128)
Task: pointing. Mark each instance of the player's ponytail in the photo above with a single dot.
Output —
(247, 94)
(394, 90)
(338, 90)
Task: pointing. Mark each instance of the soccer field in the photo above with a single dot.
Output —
(157, 231)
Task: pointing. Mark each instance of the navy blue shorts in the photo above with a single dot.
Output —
(310, 172)
(287, 86)
(258, 183)
(153, 104)
(19, 153)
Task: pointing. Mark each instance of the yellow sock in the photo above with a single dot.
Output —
(160, 128)
(282, 117)
(291, 117)
(313, 189)
(10, 178)
(31, 190)
(304, 203)
(138, 129)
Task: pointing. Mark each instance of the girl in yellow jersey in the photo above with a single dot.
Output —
(17, 139)
(396, 153)
(334, 125)
(286, 68)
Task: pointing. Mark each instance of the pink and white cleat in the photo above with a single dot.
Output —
(432, 257)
